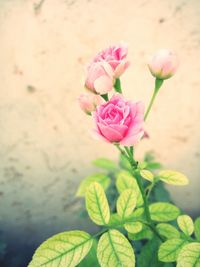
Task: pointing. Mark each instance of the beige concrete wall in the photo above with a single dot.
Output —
(45, 145)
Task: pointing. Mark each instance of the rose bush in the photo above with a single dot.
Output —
(138, 228)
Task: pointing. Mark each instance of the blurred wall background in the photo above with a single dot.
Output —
(45, 145)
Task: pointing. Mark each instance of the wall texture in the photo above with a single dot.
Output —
(45, 145)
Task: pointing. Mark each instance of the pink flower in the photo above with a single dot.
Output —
(99, 77)
(115, 56)
(120, 121)
(89, 102)
(163, 64)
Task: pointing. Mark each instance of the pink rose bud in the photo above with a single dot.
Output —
(89, 102)
(99, 77)
(163, 64)
(115, 56)
(120, 121)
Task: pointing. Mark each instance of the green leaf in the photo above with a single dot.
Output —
(147, 175)
(100, 178)
(186, 224)
(145, 233)
(133, 227)
(151, 164)
(91, 258)
(104, 163)
(126, 181)
(138, 213)
(154, 165)
(115, 250)
(197, 228)
(189, 255)
(97, 204)
(126, 203)
(149, 156)
(160, 192)
(142, 165)
(169, 250)
(168, 231)
(64, 249)
(173, 177)
(149, 255)
(163, 212)
(115, 220)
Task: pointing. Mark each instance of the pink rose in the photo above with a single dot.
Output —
(89, 102)
(115, 56)
(163, 64)
(99, 77)
(120, 121)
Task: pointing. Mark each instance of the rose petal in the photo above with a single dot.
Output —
(103, 84)
(120, 69)
(122, 129)
(132, 140)
(109, 133)
(98, 136)
(137, 111)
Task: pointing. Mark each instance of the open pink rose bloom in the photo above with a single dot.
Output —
(120, 121)
(115, 56)
(105, 67)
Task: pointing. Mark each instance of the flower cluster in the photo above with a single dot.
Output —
(119, 121)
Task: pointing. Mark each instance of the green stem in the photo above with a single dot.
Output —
(146, 205)
(154, 230)
(149, 189)
(101, 232)
(122, 152)
(140, 185)
(158, 84)
(136, 174)
(105, 97)
(120, 224)
(117, 86)
(132, 151)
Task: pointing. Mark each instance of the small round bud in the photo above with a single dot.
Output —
(89, 102)
(163, 64)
